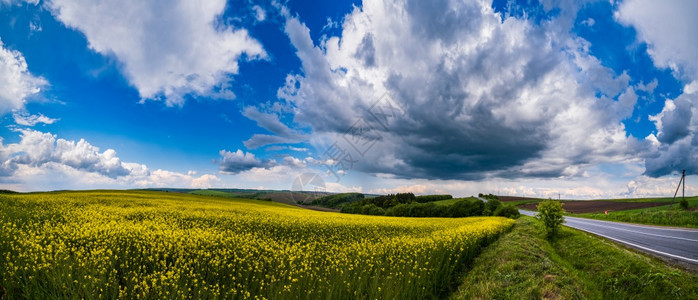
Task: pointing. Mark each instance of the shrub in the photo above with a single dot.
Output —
(550, 213)
(491, 206)
(351, 208)
(683, 203)
(508, 211)
(400, 210)
(372, 210)
(467, 208)
(421, 209)
(337, 200)
(389, 200)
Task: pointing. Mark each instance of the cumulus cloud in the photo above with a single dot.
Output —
(41, 160)
(671, 44)
(167, 49)
(482, 96)
(677, 141)
(238, 161)
(37, 149)
(17, 83)
(672, 122)
(282, 134)
(25, 119)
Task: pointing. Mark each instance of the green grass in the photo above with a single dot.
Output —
(448, 202)
(658, 199)
(524, 265)
(668, 215)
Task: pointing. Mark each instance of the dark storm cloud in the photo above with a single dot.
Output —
(675, 123)
(679, 142)
(480, 96)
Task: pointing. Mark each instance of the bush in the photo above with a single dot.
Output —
(389, 200)
(488, 196)
(683, 203)
(372, 210)
(432, 198)
(550, 213)
(491, 206)
(467, 208)
(400, 210)
(422, 210)
(508, 211)
(337, 200)
(351, 208)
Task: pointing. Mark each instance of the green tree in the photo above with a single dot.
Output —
(491, 206)
(508, 211)
(550, 212)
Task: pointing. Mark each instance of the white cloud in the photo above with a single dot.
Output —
(270, 121)
(238, 161)
(18, 84)
(25, 119)
(18, 2)
(41, 161)
(482, 98)
(168, 49)
(671, 44)
(589, 22)
(259, 12)
(668, 27)
(677, 141)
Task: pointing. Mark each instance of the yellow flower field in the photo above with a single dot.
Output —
(139, 244)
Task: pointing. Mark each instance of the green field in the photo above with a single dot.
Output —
(524, 265)
(667, 215)
(451, 201)
(154, 245)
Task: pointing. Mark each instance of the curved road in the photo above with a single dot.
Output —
(675, 243)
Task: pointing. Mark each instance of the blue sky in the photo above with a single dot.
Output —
(590, 99)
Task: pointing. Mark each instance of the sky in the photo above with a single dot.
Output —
(581, 99)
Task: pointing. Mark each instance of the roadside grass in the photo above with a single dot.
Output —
(667, 215)
(522, 264)
(662, 199)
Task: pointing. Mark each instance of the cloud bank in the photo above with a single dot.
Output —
(168, 49)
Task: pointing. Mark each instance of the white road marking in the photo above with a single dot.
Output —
(640, 232)
(644, 248)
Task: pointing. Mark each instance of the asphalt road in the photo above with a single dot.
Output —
(673, 243)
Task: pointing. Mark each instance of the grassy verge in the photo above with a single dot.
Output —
(667, 215)
(522, 264)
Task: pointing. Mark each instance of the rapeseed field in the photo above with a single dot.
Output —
(155, 245)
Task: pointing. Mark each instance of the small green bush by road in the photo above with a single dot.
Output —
(550, 212)
(683, 204)
(491, 206)
(508, 211)
(522, 264)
